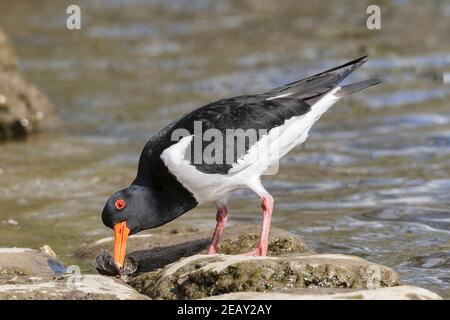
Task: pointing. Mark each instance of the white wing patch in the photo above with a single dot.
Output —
(280, 140)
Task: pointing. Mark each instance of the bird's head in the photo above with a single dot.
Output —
(127, 212)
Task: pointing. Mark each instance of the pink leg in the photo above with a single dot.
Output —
(267, 203)
(221, 218)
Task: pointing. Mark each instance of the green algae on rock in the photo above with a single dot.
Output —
(244, 238)
(202, 276)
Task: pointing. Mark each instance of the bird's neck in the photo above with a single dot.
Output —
(171, 199)
(170, 208)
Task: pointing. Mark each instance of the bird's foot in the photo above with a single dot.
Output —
(258, 252)
(212, 249)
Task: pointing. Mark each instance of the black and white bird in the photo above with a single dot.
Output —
(178, 170)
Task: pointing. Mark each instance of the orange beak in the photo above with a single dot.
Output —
(121, 233)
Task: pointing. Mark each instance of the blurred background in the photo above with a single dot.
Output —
(372, 180)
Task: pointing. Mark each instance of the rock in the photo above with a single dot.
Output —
(23, 108)
(47, 250)
(201, 276)
(72, 287)
(24, 261)
(168, 244)
(391, 293)
(34, 274)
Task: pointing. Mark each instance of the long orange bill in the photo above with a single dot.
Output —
(121, 233)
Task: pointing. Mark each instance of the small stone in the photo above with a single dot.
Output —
(47, 250)
(11, 222)
(24, 122)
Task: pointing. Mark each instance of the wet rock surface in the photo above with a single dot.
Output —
(66, 287)
(244, 238)
(36, 274)
(201, 276)
(157, 249)
(23, 108)
(391, 293)
(24, 261)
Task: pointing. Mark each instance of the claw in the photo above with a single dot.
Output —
(254, 253)
(211, 250)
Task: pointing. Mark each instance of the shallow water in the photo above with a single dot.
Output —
(372, 180)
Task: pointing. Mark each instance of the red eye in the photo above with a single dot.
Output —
(120, 204)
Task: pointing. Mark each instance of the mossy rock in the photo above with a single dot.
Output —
(202, 276)
(244, 238)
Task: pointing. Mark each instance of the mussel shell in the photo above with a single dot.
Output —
(105, 265)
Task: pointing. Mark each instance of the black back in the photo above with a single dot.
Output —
(244, 112)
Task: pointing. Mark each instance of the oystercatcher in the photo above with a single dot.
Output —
(182, 167)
